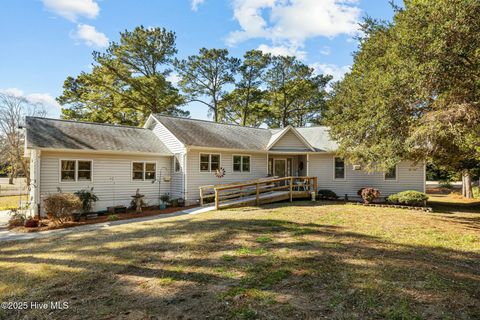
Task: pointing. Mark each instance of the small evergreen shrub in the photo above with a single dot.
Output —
(88, 198)
(368, 194)
(61, 206)
(408, 197)
(327, 194)
(476, 192)
(112, 217)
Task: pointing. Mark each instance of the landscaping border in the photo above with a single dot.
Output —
(397, 206)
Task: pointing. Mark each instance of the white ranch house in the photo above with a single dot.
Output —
(177, 156)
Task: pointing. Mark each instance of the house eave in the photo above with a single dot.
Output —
(83, 151)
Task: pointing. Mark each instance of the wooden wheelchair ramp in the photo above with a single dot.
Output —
(258, 192)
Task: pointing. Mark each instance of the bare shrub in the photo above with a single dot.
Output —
(61, 206)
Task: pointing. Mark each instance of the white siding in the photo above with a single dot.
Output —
(195, 179)
(409, 177)
(289, 141)
(105, 168)
(177, 148)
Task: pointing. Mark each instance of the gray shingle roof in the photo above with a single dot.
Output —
(201, 133)
(43, 133)
(319, 138)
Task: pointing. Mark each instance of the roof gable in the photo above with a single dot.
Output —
(288, 139)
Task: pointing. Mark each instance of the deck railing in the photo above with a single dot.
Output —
(257, 188)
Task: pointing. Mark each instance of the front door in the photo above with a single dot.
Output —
(280, 167)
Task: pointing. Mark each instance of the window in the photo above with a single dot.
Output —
(241, 163)
(68, 170)
(339, 168)
(150, 171)
(144, 170)
(84, 171)
(176, 164)
(209, 162)
(75, 170)
(137, 171)
(270, 167)
(391, 174)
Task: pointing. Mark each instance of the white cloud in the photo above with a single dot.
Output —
(72, 9)
(45, 99)
(90, 36)
(332, 69)
(290, 23)
(174, 78)
(283, 51)
(196, 3)
(326, 50)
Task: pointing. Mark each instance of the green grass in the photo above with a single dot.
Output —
(280, 261)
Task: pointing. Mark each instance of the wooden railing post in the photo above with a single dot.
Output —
(291, 189)
(217, 200)
(201, 196)
(258, 195)
(315, 184)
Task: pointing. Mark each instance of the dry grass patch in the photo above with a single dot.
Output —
(280, 261)
(10, 202)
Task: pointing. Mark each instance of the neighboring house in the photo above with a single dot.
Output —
(177, 155)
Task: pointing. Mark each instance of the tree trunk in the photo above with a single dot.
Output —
(10, 178)
(467, 184)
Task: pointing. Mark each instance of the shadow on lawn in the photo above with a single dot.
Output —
(244, 269)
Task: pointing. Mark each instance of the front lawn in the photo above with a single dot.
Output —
(10, 202)
(279, 261)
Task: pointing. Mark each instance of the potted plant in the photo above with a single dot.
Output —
(164, 198)
(181, 202)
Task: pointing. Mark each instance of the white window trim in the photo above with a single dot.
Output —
(344, 170)
(396, 175)
(209, 161)
(241, 162)
(175, 160)
(76, 170)
(144, 171)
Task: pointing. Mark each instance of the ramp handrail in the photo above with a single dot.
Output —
(262, 186)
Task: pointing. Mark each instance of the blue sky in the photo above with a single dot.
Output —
(44, 41)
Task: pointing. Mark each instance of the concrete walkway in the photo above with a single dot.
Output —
(4, 217)
(6, 235)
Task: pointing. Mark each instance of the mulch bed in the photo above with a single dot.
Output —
(398, 206)
(47, 224)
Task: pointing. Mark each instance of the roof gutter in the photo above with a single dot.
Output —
(132, 153)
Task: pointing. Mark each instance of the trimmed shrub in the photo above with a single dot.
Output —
(61, 206)
(327, 194)
(408, 197)
(368, 194)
